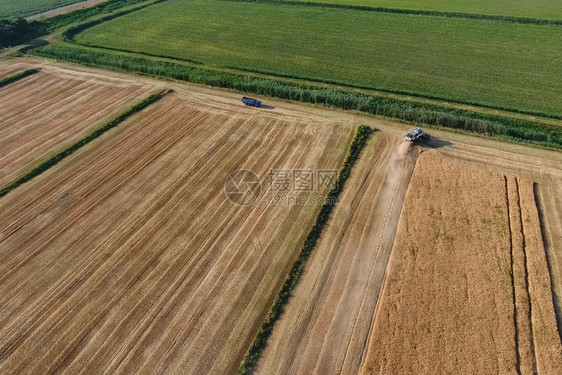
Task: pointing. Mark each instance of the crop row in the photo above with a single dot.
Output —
(250, 360)
(42, 167)
(421, 113)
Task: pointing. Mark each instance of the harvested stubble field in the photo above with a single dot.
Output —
(48, 111)
(127, 256)
(327, 323)
(468, 287)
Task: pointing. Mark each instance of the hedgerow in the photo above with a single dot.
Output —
(17, 76)
(362, 134)
(409, 111)
(42, 167)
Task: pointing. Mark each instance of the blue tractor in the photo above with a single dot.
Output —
(251, 102)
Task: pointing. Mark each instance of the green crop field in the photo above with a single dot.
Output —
(24, 8)
(548, 9)
(488, 62)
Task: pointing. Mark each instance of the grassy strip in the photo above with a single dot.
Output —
(17, 76)
(512, 19)
(422, 113)
(362, 133)
(42, 167)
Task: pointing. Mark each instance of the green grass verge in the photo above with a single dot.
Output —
(516, 8)
(423, 12)
(17, 76)
(42, 167)
(362, 133)
(24, 8)
(421, 113)
(503, 65)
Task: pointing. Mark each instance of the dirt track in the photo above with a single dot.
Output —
(46, 112)
(65, 9)
(79, 205)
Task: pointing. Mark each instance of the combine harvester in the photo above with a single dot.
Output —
(416, 135)
(251, 102)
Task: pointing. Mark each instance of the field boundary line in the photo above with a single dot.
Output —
(53, 160)
(526, 279)
(548, 346)
(251, 358)
(515, 327)
(416, 12)
(17, 77)
(547, 248)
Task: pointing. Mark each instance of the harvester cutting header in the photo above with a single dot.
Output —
(416, 135)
